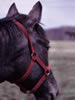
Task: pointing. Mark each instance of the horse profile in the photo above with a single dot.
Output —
(20, 36)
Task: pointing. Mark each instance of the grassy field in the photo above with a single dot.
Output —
(62, 61)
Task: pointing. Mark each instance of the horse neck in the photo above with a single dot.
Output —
(43, 97)
(5, 70)
(2, 46)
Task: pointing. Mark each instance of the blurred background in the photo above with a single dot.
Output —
(58, 19)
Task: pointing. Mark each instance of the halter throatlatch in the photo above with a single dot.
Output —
(34, 58)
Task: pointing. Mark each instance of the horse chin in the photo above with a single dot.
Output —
(45, 97)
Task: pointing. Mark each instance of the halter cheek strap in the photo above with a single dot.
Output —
(34, 58)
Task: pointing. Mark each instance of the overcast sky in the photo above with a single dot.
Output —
(55, 12)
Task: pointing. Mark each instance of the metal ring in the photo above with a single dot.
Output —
(47, 73)
(33, 55)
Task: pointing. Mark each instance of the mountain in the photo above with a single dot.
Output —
(61, 33)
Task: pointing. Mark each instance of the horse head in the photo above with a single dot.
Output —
(16, 51)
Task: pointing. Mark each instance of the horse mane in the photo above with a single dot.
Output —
(16, 16)
(8, 25)
(20, 17)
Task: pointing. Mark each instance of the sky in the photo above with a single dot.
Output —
(55, 13)
(59, 13)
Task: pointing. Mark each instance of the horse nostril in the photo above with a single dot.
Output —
(57, 93)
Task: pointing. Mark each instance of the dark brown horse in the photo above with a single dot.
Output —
(19, 35)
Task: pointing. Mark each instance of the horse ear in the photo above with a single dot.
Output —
(35, 13)
(12, 10)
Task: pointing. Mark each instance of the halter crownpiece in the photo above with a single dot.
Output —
(34, 58)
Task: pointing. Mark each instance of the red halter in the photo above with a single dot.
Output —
(34, 59)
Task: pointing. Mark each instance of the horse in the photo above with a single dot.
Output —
(24, 53)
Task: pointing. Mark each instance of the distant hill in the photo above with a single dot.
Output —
(61, 33)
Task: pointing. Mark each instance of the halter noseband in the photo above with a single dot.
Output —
(34, 59)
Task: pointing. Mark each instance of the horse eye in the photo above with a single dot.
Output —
(44, 44)
(48, 47)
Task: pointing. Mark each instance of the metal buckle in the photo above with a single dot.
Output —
(33, 55)
(47, 73)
